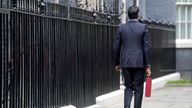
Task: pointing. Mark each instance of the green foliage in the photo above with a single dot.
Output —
(180, 82)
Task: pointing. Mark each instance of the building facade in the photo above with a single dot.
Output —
(155, 9)
(184, 19)
(99, 5)
(184, 37)
(161, 10)
(63, 2)
(178, 12)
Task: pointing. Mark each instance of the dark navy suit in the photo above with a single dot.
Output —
(132, 53)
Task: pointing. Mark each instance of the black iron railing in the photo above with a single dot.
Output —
(51, 62)
(163, 48)
(59, 10)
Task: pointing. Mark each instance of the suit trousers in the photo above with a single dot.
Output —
(134, 82)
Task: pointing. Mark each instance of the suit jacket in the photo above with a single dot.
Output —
(132, 45)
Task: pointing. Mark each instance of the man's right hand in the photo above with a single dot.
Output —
(117, 68)
(148, 71)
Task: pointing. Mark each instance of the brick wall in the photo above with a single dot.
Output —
(161, 10)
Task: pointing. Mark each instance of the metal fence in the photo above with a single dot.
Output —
(59, 10)
(49, 60)
(163, 48)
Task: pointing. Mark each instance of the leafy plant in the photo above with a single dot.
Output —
(180, 82)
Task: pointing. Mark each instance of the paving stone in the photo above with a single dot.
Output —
(168, 97)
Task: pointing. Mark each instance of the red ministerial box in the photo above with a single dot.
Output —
(148, 87)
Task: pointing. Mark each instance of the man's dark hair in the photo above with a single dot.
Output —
(133, 12)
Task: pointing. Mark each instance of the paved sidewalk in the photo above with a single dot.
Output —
(168, 97)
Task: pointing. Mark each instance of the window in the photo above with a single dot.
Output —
(182, 31)
(184, 0)
(177, 14)
(182, 16)
(184, 21)
(189, 31)
(189, 13)
(177, 30)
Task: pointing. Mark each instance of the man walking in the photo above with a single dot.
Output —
(132, 55)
